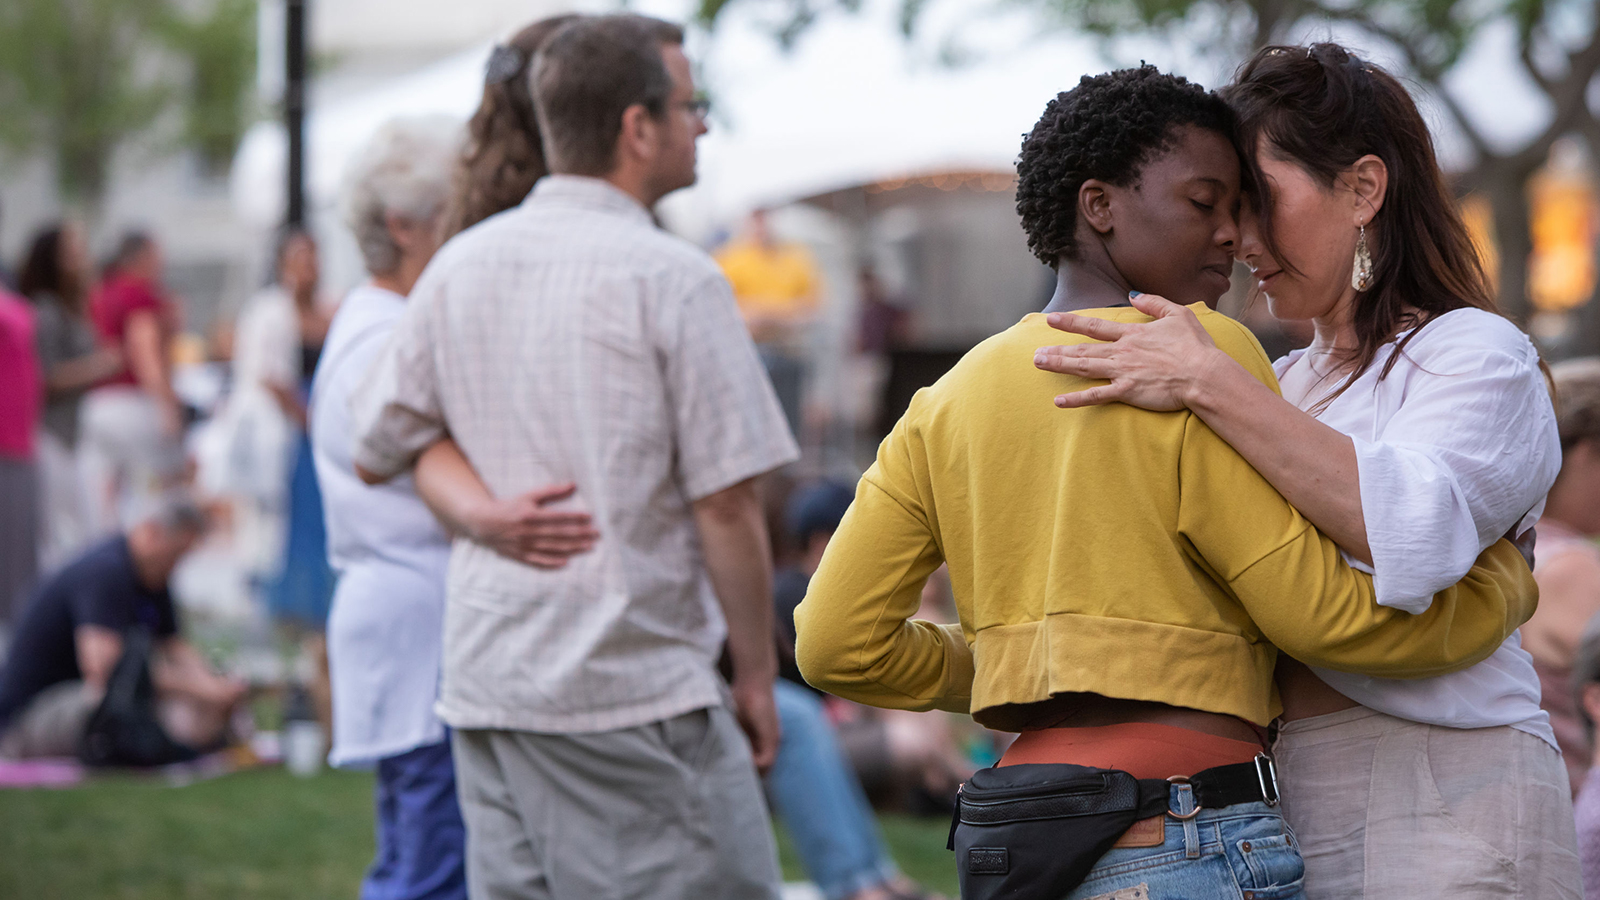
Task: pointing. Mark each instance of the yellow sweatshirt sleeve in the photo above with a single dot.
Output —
(1307, 601)
(854, 633)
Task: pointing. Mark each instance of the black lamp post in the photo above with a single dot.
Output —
(294, 110)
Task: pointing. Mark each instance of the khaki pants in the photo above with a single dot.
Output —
(666, 811)
(51, 724)
(1388, 808)
(128, 461)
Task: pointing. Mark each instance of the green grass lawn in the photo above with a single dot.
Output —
(259, 835)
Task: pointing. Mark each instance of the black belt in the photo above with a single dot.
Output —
(1252, 782)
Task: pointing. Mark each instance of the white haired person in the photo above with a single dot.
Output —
(384, 632)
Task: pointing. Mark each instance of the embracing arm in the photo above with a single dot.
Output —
(855, 635)
(1309, 603)
(1174, 362)
(519, 528)
(1311, 464)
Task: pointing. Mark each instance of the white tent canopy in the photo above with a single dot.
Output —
(848, 106)
(852, 103)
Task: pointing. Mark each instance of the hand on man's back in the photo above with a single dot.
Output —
(525, 529)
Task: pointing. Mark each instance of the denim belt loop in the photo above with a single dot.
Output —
(1185, 811)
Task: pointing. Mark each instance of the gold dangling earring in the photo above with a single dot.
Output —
(1361, 274)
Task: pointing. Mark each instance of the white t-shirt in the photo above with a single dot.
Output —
(1455, 449)
(385, 629)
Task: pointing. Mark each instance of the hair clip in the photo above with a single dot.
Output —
(504, 64)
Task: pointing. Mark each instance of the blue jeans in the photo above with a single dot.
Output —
(421, 839)
(820, 801)
(1240, 852)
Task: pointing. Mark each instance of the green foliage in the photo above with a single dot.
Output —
(78, 78)
(221, 50)
(71, 82)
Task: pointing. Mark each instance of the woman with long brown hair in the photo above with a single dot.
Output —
(57, 277)
(502, 158)
(1416, 430)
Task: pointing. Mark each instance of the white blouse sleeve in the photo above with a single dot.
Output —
(1466, 457)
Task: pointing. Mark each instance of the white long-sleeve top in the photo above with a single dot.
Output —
(385, 629)
(1455, 449)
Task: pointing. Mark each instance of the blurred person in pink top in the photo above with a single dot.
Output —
(1567, 565)
(132, 426)
(19, 480)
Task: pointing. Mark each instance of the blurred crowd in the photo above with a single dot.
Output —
(127, 442)
(369, 458)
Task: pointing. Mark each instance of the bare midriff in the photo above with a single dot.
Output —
(1150, 740)
(1304, 694)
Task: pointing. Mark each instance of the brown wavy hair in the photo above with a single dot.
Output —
(503, 155)
(1322, 107)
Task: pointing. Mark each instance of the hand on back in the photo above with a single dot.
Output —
(526, 529)
(1153, 365)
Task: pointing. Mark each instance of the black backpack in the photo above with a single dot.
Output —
(124, 730)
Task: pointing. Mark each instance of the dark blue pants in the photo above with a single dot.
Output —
(421, 839)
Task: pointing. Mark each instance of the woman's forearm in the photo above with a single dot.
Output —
(528, 527)
(76, 375)
(1311, 464)
(147, 357)
(450, 486)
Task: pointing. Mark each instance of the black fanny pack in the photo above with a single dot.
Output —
(1035, 830)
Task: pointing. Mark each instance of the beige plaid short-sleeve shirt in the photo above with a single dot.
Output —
(569, 339)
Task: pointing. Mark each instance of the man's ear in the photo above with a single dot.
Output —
(637, 139)
(1095, 206)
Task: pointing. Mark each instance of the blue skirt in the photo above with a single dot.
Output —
(303, 590)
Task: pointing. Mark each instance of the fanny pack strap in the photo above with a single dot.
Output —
(1252, 782)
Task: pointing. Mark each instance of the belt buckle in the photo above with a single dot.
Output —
(1267, 777)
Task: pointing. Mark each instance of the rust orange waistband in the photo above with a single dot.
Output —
(1145, 749)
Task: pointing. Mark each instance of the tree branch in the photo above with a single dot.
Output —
(1426, 71)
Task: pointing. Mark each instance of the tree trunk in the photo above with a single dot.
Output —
(1272, 17)
(1508, 197)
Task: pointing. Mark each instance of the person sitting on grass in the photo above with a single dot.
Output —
(72, 634)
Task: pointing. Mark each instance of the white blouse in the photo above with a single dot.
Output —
(386, 626)
(1455, 449)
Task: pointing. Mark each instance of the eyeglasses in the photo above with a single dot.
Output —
(699, 107)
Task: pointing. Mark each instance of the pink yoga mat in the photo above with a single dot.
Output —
(34, 773)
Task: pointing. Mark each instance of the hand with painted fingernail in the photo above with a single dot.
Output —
(1152, 365)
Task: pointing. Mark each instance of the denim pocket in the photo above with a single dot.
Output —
(1274, 862)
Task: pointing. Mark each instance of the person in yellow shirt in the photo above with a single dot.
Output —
(1124, 579)
(777, 288)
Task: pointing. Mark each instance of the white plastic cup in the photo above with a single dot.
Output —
(303, 747)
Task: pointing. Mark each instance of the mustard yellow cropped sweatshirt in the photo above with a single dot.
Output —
(1111, 550)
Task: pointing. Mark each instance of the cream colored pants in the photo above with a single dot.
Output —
(128, 460)
(1388, 808)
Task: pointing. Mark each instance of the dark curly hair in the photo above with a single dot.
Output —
(1106, 128)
